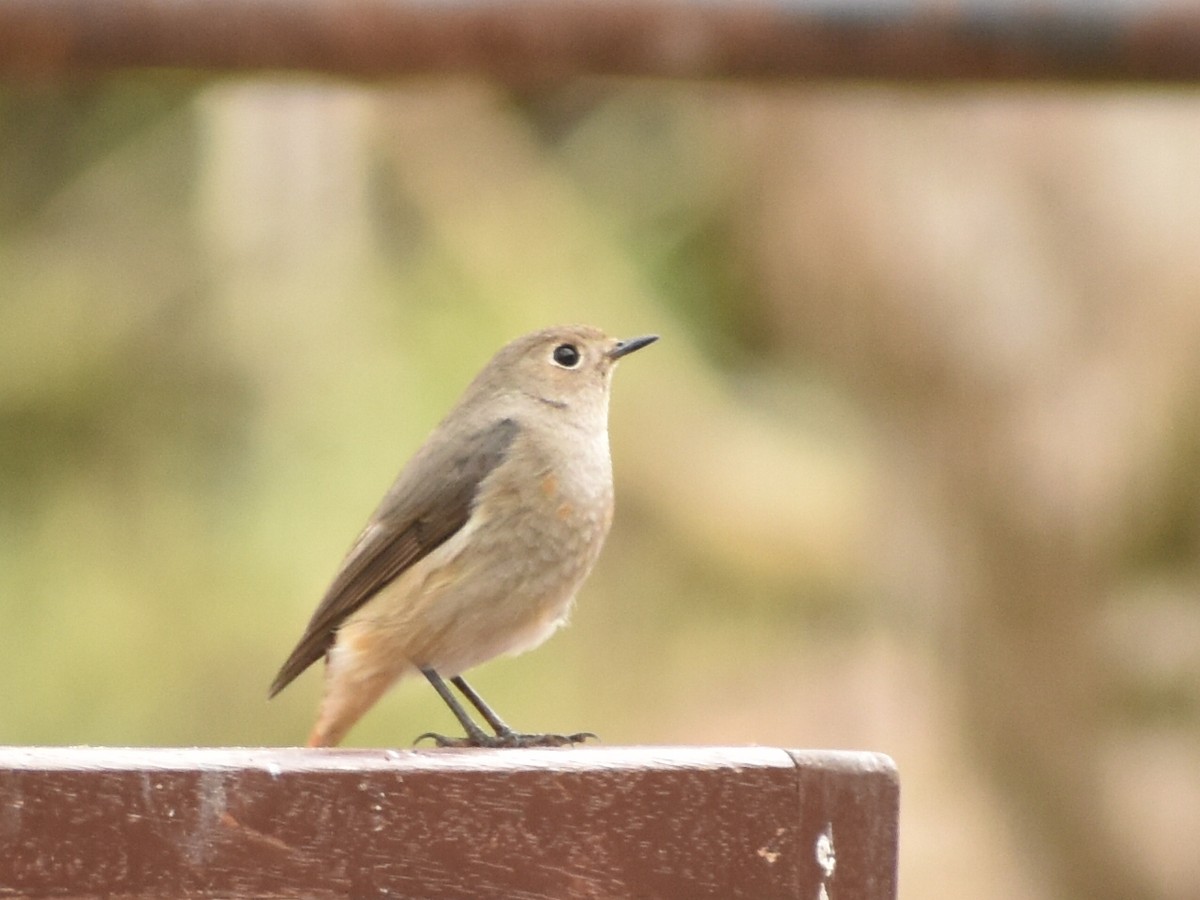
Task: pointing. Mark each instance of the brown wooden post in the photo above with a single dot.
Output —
(586, 822)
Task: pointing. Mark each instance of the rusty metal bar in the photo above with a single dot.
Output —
(533, 40)
(584, 822)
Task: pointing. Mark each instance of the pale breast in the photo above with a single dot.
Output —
(539, 523)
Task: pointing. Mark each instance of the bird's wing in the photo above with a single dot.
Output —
(413, 519)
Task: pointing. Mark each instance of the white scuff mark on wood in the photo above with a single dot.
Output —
(826, 859)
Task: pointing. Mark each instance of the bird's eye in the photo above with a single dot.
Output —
(566, 355)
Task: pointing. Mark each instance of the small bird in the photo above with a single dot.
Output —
(481, 543)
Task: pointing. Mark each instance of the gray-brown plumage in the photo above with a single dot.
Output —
(412, 520)
(480, 545)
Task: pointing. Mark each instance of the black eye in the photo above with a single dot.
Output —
(566, 355)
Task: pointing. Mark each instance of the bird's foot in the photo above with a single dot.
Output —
(508, 739)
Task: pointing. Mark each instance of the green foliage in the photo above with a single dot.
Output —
(229, 315)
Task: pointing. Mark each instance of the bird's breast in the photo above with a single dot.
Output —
(505, 581)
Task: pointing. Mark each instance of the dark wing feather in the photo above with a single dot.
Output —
(414, 518)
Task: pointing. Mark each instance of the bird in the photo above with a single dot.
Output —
(480, 545)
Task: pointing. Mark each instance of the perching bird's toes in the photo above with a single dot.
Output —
(508, 740)
(518, 739)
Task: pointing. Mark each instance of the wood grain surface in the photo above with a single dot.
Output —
(583, 822)
(537, 40)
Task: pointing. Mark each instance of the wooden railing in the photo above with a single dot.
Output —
(524, 40)
(586, 822)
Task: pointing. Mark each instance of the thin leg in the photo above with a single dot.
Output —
(475, 735)
(505, 736)
(486, 711)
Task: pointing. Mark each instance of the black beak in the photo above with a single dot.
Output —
(624, 348)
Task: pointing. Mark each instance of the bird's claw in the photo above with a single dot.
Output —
(508, 740)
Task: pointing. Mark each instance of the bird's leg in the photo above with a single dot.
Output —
(498, 724)
(506, 736)
(476, 736)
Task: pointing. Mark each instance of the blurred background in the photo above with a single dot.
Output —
(914, 469)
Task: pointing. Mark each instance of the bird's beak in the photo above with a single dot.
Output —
(624, 348)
